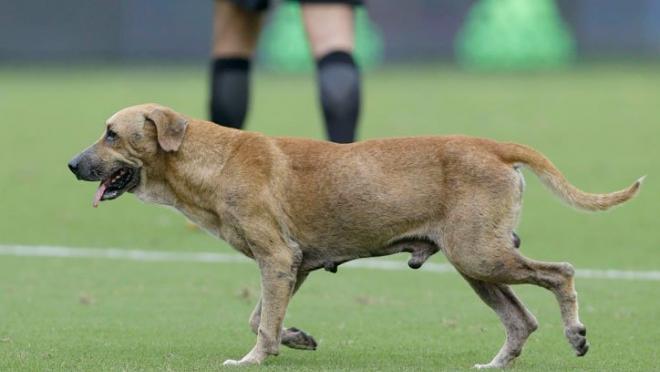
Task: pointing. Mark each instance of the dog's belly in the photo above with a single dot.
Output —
(369, 218)
(370, 236)
(420, 248)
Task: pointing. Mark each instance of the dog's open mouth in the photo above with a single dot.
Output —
(122, 180)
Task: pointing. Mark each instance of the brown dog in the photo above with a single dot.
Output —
(297, 205)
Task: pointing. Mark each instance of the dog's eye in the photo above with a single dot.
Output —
(110, 135)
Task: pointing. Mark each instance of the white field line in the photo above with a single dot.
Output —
(211, 257)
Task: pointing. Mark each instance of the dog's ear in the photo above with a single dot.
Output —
(170, 127)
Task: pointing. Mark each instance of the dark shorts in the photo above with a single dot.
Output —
(260, 5)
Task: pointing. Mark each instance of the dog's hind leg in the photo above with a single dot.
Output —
(291, 337)
(499, 263)
(558, 278)
(518, 322)
(478, 243)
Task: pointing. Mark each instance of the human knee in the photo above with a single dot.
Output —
(329, 26)
(235, 30)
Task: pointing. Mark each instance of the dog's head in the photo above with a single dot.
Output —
(133, 139)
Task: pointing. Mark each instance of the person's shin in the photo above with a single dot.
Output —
(339, 87)
(230, 90)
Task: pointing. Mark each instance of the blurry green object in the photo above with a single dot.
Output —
(284, 45)
(514, 35)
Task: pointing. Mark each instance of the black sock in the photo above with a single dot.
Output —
(230, 91)
(339, 86)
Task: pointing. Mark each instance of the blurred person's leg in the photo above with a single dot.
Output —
(330, 29)
(235, 34)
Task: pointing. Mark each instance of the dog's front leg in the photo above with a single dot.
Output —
(292, 337)
(278, 279)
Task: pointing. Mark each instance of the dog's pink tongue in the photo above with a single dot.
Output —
(99, 194)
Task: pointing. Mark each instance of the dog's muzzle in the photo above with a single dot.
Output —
(115, 178)
(81, 166)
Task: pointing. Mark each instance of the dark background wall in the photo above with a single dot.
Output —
(69, 30)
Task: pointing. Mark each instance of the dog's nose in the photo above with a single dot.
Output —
(73, 166)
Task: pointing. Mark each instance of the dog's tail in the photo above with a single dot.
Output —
(553, 179)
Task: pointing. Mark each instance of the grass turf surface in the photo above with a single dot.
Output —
(597, 123)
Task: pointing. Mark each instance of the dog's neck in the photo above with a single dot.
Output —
(193, 168)
(189, 178)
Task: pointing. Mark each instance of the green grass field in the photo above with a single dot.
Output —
(599, 124)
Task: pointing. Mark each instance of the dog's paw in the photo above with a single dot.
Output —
(231, 362)
(298, 339)
(251, 359)
(577, 336)
(236, 363)
(487, 366)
